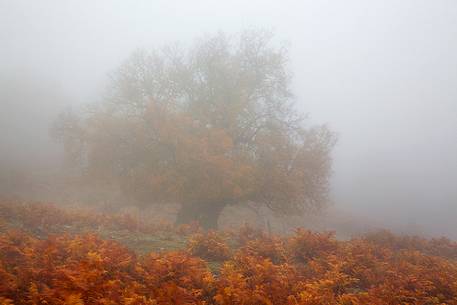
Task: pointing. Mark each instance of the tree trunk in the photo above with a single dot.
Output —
(207, 215)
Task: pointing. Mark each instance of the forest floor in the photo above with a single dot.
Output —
(60, 255)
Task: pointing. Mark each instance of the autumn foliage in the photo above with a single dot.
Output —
(207, 127)
(87, 270)
(306, 268)
(209, 246)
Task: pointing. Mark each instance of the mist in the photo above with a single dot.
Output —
(382, 75)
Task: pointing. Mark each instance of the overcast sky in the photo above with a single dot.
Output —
(382, 74)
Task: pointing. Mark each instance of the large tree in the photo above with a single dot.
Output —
(207, 127)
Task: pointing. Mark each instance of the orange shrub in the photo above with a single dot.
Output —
(251, 280)
(177, 278)
(306, 268)
(305, 245)
(247, 233)
(87, 270)
(211, 246)
(272, 248)
(43, 219)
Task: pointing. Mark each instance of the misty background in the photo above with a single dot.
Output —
(381, 74)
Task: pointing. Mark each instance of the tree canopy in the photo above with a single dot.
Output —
(206, 127)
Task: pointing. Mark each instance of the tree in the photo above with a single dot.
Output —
(209, 127)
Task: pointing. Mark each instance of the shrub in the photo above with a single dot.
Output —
(211, 246)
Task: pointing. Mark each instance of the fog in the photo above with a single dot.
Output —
(381, 74)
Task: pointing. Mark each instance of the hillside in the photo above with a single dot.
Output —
(52, 255)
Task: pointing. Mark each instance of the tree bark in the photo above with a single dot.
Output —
(207, 215)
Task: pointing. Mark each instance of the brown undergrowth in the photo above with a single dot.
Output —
(40, 263)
